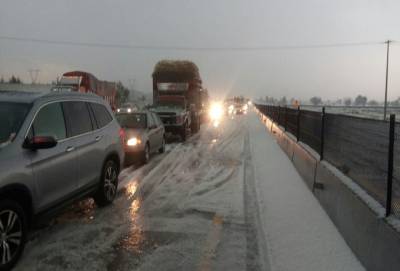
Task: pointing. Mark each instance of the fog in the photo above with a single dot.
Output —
(331, 72)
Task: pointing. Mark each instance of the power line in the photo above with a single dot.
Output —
(187, 48)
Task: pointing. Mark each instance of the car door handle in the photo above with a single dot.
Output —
(98, 138)
(70, 149)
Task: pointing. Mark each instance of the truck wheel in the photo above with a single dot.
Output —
(13, 232)
(107, 190)
(162, 148)
(195, 126)
(183, 133)
(198, 124)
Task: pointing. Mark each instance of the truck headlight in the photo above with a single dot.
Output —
(133, 141)
(216, 111)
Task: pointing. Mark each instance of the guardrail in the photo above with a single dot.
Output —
(366, 150)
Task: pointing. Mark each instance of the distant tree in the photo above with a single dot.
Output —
(347, 101)
(373, 103)
(14, 80)
(2, 80)
(395, 102)
(316, 100)
(270, 100)
(338, 102)
(283, 101)
(122, 94)
(360, 100)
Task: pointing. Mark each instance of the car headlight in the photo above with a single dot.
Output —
(216, 111)
(129, 110)
(133, 141)
(118, 110)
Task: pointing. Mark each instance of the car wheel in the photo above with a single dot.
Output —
(146, 154)
(162, 149)
(108, 185)
(13, 229)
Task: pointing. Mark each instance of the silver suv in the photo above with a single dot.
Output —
(54, 148)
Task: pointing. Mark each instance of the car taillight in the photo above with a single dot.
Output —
(122, 135)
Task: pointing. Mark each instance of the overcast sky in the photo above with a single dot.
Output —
(327, 72)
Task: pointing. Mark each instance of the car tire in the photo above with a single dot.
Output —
(13, 231)
(162, 149)
(107, 191)
(146, 154)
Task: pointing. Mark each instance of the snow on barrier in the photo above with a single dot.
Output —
(359, 217)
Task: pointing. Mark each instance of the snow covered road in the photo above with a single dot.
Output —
(227, 199)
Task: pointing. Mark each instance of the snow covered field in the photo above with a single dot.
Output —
(228, 199)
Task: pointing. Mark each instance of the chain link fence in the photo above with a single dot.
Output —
(396, 172)
(292, 121)
(366, 150)
(310, 129)
(359, 148)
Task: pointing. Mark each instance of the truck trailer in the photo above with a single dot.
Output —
(85, 82)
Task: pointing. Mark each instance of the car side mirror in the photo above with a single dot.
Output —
(40, 142)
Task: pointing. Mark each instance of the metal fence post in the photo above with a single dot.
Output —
(272, 110)
(298, 124)
(285, 123)
(321, 151)
(390, 165)
(279, 115)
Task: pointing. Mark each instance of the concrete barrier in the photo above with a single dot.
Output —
(305, 164)
(372, 238)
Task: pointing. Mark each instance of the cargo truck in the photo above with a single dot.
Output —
(178, 97)
(86, 82)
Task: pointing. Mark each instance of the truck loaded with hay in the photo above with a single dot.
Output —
(178, 97)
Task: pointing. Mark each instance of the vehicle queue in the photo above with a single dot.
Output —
(72, 142)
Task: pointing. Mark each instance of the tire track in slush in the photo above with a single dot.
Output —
(256, 254)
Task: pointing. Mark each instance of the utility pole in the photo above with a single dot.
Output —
(387, 75)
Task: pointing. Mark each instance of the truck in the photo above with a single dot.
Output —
(81, 81)
(178, 96)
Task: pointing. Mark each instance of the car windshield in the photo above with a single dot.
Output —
(11, 117)
(136, 121)
(172, 103)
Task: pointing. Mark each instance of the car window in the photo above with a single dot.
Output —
(158, 120)
(101, 114)
(150, 120)
(77, 117)
(135, 120)
(12, 115)
(49, 121)
(155, 120)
